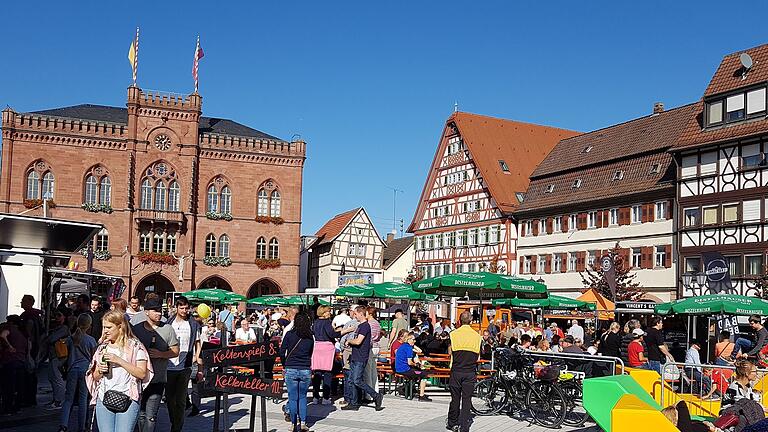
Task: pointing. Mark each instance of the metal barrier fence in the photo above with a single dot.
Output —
(705, 382)
(587, 359)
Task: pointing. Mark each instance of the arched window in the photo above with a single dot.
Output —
(170, 243)
(102, 240)
(226, 200)
(157, 244)
(263, 209)
(159, 188)
(210, 245)
(274, 249)
(146, 194)
(48, 185)
(105, 191)
(213, 199)
(173, 196)
(160, 196)
(145, 243)
(261, 248)
(224, 245)
(90, 190)
(274, 204)
(33, 185)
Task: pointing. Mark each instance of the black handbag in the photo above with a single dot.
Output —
(116, 402)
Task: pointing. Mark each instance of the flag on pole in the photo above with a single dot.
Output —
(198, 55)
(133, 55)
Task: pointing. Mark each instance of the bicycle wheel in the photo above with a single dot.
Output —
(546, 403)
(576, 415)
(489, 397)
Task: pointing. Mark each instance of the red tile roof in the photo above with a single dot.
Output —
(521, 145)
(328, 232)
(726, 79)
(728, 75)
(489, 139)
(632, 147)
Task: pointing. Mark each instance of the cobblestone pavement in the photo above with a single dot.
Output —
(397, 415)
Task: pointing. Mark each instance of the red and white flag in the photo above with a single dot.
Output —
(198, 55)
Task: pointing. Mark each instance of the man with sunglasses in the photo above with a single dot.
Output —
(743, 347)
(408, 366)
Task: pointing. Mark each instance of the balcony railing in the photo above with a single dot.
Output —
(160, 215)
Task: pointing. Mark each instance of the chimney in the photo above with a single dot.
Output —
(390, 237)
(658, 107)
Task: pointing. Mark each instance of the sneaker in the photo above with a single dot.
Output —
(327, 402)
(425, 398)
(194, 411)
(55, 405)
(287, 417)
(350, 407)
(378, 400)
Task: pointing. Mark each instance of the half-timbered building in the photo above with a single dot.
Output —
(347, 250)
(722, 173)
(613, 185)
(478, 176)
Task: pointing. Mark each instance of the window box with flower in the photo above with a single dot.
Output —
(268, 263)
(96, 208)
(33, 203)
(223, 261)
(99, 255)
(218, 216)
(269, 219)
(156, 257)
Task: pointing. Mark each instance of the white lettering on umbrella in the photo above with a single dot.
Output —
(469, 283)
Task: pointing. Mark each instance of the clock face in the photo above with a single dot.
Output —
(162, 142)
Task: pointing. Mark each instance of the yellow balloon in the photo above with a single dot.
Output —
(203, 311)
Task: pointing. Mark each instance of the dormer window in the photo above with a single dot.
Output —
(520, 196)
(736, 107)
(503, 166)
(618, 175)
(549, 188)
(587, 149)
(576, 184)
(655, 168)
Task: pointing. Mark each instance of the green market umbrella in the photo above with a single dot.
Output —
(214, 295)
(302, 300)
(400, 291)
(482, 285)
(267, 301)
(354, 291)
(553, 302)
(713, 304)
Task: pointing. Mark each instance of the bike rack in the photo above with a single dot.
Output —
(572, 356)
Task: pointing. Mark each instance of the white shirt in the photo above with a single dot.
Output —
(577, 332)
(340, 320)
(118, 379)
(184, 333)
(287, 328)
(692, 357)
(241, 335)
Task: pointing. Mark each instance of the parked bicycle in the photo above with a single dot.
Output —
(570, 383)
(517, 386)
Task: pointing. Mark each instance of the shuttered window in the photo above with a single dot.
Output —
(689, 166)
(708, 163)
(751, 210)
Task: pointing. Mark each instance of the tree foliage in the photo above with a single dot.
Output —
(627, 289)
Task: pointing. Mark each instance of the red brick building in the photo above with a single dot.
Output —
(187, 201)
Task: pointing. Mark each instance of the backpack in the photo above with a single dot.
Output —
(60, 349)
(749, 412)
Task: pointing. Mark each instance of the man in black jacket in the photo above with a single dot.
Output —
(744, 348)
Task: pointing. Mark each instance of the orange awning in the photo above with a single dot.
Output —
(605, 307)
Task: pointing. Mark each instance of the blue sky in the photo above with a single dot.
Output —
(369, 84)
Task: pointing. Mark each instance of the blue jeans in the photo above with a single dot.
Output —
(120, 422)
(721, 362)
(655, 365)
(297, 381)
(356, 370)
(76, 390)
(150, 405)
(741, 345)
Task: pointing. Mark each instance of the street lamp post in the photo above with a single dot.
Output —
(694, 280)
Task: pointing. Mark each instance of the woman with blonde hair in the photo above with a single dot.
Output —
(741, 387)
(120, 369)
(323, 353)
(543, 345)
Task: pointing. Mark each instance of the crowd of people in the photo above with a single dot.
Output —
(124, 358)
